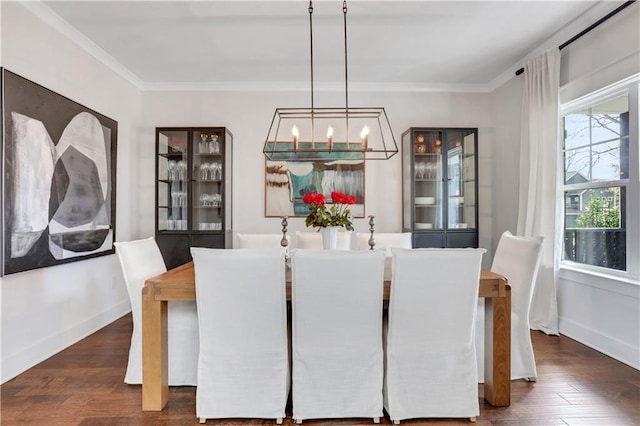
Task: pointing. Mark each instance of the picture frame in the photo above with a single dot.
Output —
(59, 178)
(287, 181)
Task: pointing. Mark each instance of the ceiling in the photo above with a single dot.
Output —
(415, 43)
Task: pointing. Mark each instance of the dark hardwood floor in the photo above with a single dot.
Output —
(83, 385)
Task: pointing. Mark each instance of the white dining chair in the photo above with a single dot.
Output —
(518, 259)
(261, 241)
(313, 240)
(243, 367)
(384, 240)
(139, 260)
(430, 353)
(337, 334)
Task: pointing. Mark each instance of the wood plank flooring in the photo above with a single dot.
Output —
(83, 385)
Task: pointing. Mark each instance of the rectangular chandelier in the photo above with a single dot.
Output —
(306, 134)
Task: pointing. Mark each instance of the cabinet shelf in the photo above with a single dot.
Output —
(207, 154)
(172, 155)
(172, 181)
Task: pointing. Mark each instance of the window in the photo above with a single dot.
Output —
(597, 185)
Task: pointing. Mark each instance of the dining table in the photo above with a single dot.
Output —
(179, 284)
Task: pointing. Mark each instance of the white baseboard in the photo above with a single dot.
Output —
(614, 348)
(39, 351)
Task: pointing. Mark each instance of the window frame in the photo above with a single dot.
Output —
(631, 87)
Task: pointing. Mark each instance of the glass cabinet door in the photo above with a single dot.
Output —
(173, 175)
(461, 179)
(428, 180)
(207, 179)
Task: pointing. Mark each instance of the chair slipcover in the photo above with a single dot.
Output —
(139, 260)
(337, 333)
(243, 367)
(384, 240)
(430, 353)
(518, 259)
(257, 241)
(313, 240)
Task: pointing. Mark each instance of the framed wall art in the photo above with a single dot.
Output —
(59, 178)
(286, 182)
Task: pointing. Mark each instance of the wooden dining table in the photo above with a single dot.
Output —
(179, 284)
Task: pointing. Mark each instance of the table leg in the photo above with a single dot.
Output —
(155, 371)
(497, 347)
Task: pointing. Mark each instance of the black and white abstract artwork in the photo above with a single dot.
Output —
(58, 178)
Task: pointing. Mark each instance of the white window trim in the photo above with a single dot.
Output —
(630, 86)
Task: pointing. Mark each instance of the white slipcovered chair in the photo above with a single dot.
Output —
(139, 260)
(384, 240)
(518, 259)
(313, 240)
(430, 353)
(243, 367)
(337, 334)
(260, 241)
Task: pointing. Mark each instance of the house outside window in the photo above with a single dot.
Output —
(597, 162)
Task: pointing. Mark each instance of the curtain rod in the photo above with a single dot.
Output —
(590, 27)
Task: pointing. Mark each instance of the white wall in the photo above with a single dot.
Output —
(248, 116)
(600, 312)
(46, 310)
(506, 104)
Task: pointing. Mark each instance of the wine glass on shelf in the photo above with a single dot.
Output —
(203, 171)
(181, 168)
(429, 171)
(171, 170)
(422, 169)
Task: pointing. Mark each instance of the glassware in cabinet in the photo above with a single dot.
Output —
(172, 171)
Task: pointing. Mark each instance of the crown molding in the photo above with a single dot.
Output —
(281, 86)
(55, 21)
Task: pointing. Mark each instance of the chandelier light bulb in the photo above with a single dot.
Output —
(364, 135)
(296, 135)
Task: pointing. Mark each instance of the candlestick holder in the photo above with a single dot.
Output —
(284, 242)
(372, 224)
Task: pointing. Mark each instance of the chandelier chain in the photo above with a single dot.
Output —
(311, 45)
(346, 84)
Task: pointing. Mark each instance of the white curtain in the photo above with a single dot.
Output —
(539, 208)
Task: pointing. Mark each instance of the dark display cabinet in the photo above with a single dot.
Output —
(193, 190)
(440, 186)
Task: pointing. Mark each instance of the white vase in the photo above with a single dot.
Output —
(330, 237)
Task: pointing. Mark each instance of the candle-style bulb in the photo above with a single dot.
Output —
(364, 136)
(330, 137)
(296, 135)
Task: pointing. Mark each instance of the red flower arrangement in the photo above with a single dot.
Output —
(337, 215)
